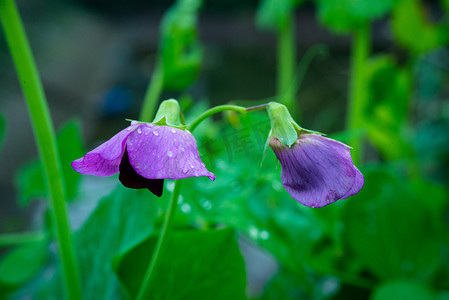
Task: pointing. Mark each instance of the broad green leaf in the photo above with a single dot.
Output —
(196, 264)
(30, 180)
(347, 15)
(385, 115)
(122, 219)
(274, 14)
(180, 48)
(403, 290)
(394, 226)
(412, 29)
(22, 263)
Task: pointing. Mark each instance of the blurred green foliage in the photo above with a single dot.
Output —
(180, 49)
(414, 31)
(30, 178)
(347, 15)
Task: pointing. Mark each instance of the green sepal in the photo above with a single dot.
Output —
(283, 127)
(169, 114)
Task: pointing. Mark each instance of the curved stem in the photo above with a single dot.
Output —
(152, 94)
(213, 111)
(145, 287)
(45, 138)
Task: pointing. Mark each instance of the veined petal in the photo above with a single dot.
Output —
(317, 171)
(105, 159)
(157, 152)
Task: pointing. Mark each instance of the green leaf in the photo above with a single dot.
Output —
(274, 14)
(386, 112)
(347, 15)
(394, 226)
(30, 177)
(180, 47)
(196, 265)
(122, 219)
(410, 22)
(22, 263)
(403, 290)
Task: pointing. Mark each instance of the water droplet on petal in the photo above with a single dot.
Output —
(169, 153)
(173, 130)
(313, 205)
(139, 131)
(203, 164)
(155, 133)
(133, 123)
(192, 166)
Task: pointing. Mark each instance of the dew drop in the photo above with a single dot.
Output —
(264, 235)
(139, 131)
(203, 164)
(185, 208)
(173, 130)
(192, 166)
(133, 123)
(155, 133)
(169, 153)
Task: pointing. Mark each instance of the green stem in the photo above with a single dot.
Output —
(357, 94)
(145, 288)
(287, 64)
(45, 137)
(152, 94)
(213, 111)
(12, 239)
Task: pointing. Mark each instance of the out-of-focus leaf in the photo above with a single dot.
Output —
(30, 180)
(412, 29)
(195, 265)
(120, 220)
(70, 147)
(394, 226)
(21, 264)
(274, 14)
(389, 89)
(180, 47)
(403, 290)
(347, 15)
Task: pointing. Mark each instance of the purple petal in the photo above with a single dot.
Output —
(105, 159)
(317, 171)
(157, 152)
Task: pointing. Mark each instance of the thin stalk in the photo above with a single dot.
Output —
(145, 288)
(13, 239)
(286, 62)
(361, 45)
(45, 138)
(213, 111)
(152, 94)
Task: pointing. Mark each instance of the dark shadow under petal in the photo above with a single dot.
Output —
(129, 178)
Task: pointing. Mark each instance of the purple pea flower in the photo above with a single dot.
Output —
(316, 170)
(145, 154)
